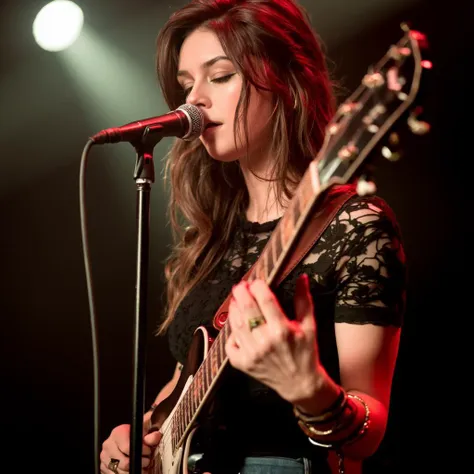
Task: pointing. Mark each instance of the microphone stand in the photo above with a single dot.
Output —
(144, 176)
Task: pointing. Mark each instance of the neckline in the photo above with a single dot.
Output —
(257, 227)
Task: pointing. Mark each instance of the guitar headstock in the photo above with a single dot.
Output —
(384, 99)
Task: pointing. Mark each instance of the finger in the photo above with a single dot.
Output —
(151, 440)
(236, 320)
(303, 303)
(104, 469)
(232, 349)
(237, 356)
(247, 305)
(242, 339)
(267, 302)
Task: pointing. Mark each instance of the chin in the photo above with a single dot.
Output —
(223, 154)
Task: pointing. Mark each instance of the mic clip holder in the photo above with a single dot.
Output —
(144, 169)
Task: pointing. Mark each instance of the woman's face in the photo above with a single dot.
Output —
(212, 83)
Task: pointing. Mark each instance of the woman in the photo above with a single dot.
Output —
(311, 361)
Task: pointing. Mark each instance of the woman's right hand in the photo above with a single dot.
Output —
(117, 446)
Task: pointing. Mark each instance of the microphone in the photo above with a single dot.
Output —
(186, 122)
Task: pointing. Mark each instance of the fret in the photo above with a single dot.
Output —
(225, 331)
(220, 344)
(294, 216)
(202, 375)
(202, 388)
(176, 426)
(184, 403)
(287, 229)
(259, 269)
(182, 425)
(252, 275)
(266, 271)
(194, 400)
(195, 390)
(212, 361)
(277, 243)
(306, 191)
(207, 370)
(224, 334)
(197, 380)
(188, 404)
(270, 260)
(173, 434)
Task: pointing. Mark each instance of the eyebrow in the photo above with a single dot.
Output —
(204, 65)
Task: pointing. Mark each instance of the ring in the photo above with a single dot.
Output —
(256, 322)
(113, 465)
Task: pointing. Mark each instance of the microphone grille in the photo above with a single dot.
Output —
(196, 121)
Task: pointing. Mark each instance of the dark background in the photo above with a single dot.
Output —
(51, 103)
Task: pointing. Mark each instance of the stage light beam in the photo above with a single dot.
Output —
(58, 25)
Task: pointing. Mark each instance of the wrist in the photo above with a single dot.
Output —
(343, 424)
(318, 397)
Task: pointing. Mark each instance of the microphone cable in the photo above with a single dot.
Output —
(90, 294)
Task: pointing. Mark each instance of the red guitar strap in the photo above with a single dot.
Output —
(332, 202)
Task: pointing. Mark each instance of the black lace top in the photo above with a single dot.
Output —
(357, 276)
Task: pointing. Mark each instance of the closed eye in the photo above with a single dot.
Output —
(223, 79)
(218, 80)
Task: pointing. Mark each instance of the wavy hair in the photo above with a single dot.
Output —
(274, 48)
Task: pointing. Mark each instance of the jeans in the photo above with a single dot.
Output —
(275, 465)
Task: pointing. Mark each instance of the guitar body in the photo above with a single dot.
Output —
(171, 456)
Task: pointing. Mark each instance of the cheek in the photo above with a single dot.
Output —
(233, 95)
(260, 111)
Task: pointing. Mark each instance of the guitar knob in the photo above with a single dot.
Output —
(365, 187)
(417, 126)
(392, 151)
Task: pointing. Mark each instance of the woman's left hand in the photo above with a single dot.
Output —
(280, 353)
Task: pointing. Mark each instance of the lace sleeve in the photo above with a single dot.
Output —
(371, 270)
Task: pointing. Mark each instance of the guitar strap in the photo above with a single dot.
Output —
(330, 205)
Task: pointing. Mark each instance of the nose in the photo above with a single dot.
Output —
(199, 96)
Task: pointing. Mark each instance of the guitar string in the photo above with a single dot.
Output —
(173, 421)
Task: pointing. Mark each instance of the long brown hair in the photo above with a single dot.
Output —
(274, 48)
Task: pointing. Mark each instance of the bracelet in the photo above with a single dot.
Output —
(352, 437)
(330, 414)
(365, 424)
(343, 421)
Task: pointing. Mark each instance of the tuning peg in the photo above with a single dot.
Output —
(365, 186)
(418, 127)
(392, 151)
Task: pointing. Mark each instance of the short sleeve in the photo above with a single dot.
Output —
(371, 270)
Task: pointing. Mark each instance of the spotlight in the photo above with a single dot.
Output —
(58, 25)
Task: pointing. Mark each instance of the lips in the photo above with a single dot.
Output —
(212, 125)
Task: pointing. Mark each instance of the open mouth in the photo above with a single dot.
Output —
(212, 125)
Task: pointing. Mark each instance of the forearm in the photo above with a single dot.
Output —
(165, 392)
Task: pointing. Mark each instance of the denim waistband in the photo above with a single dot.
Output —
(275, 465)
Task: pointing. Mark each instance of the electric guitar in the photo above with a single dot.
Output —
(383, 99)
